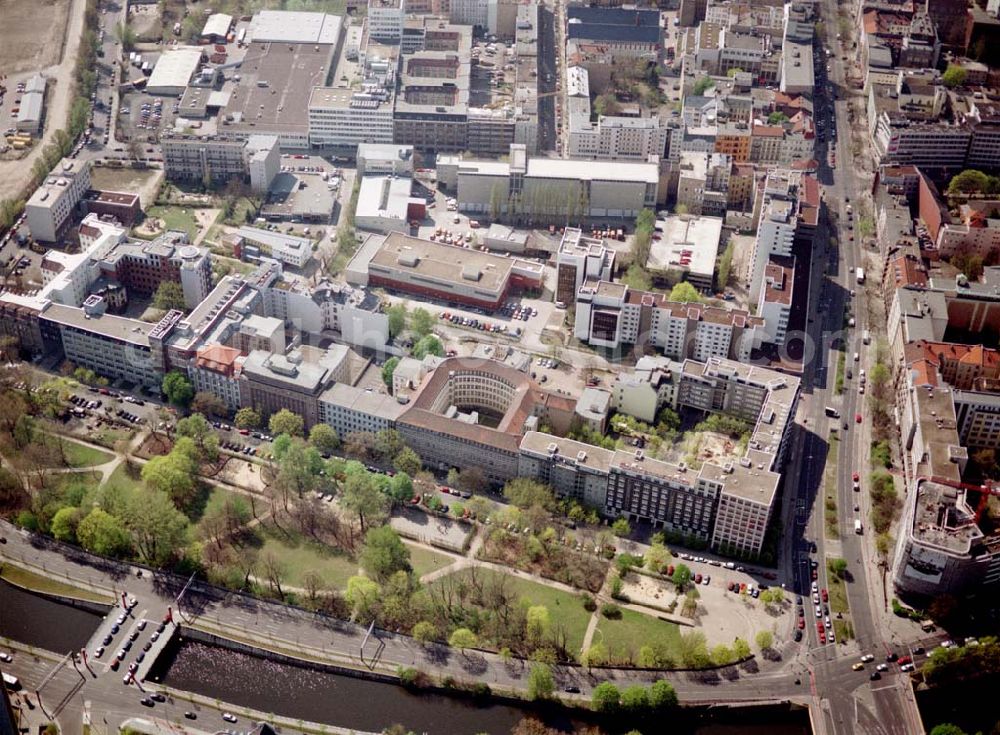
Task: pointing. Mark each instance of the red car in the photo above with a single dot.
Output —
(802, 623)
(670, 570)
(857, 417)
(814, 574)
(697, 579)
(823, 593)
(819, 626)
(856, 477)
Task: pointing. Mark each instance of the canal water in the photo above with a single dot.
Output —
(302, 692)
(308, 694)
(42, 622)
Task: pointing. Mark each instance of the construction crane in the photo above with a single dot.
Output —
(987, 490)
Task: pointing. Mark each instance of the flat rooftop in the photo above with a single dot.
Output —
(943, 518)
(585, 170)
(384, 196)
(285, 26)
(299, 195)
(442, 263)
(276, 83)
(114, 327)
(363, 400)
(596, 459)
(174, 68)
(695, 239)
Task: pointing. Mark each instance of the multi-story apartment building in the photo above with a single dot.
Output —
(734, 139)
(703, 183)
(789, 211)
(385, 20)
(580, 258)
(729, 505)
(112, 346)
(270, 382)
(549, 189)
(612, 315)
(49, 208)
(617, 138)
(943, 547)
(349, 115)
(775, 303)
(216, 370)
(143, 266)
(349, 409)
(254, 158)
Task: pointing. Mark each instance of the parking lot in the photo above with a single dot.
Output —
(492, 77)
(11, 89)
(142, 117)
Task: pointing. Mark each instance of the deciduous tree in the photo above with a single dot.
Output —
(286, 422)
(178, 388)
(324, 438)
(247, 418)
(383, 554)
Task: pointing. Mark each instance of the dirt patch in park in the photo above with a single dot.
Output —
(32, 34)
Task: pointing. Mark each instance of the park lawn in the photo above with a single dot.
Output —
(80, 455)
(565, 608)
(210, 498)
(122, 476)
(297, 555)
(39, 583)
(425, 561)
(176, 218)
(624, 637)
(108, 437)
(66, 481)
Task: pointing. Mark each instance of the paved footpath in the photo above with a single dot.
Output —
(311, 637)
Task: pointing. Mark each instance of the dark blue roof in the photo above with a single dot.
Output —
(602, 32)
(615, 16)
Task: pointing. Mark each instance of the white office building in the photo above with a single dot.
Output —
(49, 209)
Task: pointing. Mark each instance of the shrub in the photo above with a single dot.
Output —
(611, 611)
(589, 603)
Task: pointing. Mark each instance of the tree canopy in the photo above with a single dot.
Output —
(169, 295)
(286, 422)
(178, 388)
(684, 292)
(247, 418)
(429, 345)
(383, 553)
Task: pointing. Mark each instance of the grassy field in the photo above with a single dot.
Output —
(176, 218)
(120, 179)
(124, 477)
(80, 455)
(830, 489)
(425, 561)
(297, 555)
(564, 608)
(30, 580)
(108, 437)
(73, 483)
(626, 636)
(838, 595)
(843, 629)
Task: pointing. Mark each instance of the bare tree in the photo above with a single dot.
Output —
(273, 569)
(313, 584)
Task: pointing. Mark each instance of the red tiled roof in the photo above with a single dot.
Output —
(218, 358)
